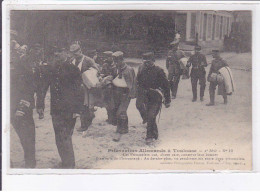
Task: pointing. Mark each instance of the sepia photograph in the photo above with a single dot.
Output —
(130, 89)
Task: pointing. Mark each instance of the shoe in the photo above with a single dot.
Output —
(81, 129)
(117, 137)
(194, 99)
(149, 140)
(210, 104)
(201, 99)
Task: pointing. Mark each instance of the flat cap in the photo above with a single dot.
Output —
(74, 48)
(118, 54)
(148, 56)
(197, 48)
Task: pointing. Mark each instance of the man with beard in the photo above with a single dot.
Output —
(152, 86)
(109, 69)
(66, 103)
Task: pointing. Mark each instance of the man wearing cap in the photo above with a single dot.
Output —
(174, 68)
(66, 104)
(123, 91)
(152, 86)
(84, 63)
(216, 65)
(198, 62)
(23, 87)
(109, 69)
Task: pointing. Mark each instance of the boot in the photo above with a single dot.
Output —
(225, 99)
(117, 137)
(124, 125)
(212, 98)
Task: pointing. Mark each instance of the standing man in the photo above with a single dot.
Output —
(152, 86)
(123, 92)
(109, 69)
(23, 87)
(66, 104)
(174, 68)
(198, 62)
(216, 65)
(84, 63)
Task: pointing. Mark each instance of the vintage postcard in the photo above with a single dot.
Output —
(92, 86)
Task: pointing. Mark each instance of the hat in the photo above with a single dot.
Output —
(215, 51)
(108, 53)
(118, 54)
(75, 48)
(149, 56)
(197, 48)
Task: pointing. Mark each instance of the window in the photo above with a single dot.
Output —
(221, 28)
(205, 26)
(209, 26)
(193, 26)
(201, 25)
(214, 27)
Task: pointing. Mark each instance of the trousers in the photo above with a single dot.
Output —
(198, 75)
(63, 127)
(86, 117)
(149, 104)
(25, 129)
(122, 101)
(174, 84)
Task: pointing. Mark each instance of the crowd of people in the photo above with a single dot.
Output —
(78, 84)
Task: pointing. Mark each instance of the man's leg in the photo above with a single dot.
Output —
(202, 82)
(63, 127)
(212, 88)
(153, 108)
(194, 82)
(176, 81)
(140, 105)
(25, 129)
(86, 118)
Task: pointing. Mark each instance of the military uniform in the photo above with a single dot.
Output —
(109, 69)
(23, 87)
(84, 63)
(151, 84)
(216, 65)
(198, 73)
(66, 99)
(174, 69)
(122, 95)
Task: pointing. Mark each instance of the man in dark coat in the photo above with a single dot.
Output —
(23, 87)
(198, 62)
(174, 68)
(66, 103)
(152, 86)
(216, 65)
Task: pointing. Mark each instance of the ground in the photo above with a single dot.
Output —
(185, 125)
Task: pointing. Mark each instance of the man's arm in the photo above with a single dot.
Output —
(164, 85)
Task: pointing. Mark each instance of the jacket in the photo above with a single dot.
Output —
(153, 77)
(64, 80)
(129, 75)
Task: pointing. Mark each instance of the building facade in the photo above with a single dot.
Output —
(207, 28)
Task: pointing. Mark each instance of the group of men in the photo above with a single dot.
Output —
(197, 62)
(64, 71)
(74, 93)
